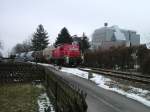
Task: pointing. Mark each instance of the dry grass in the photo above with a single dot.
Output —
(19, 98)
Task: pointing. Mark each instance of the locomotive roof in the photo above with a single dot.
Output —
(65, 44)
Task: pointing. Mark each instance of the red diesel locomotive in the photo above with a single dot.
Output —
(67, 54)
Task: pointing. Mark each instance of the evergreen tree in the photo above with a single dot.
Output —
(40, 39)
(84, 45)
(63, 37)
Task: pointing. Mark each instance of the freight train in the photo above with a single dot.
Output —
(65, 54)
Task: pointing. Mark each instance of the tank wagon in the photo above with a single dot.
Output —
(30, 56)
(20, 57)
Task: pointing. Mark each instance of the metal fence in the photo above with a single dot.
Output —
(68, 96)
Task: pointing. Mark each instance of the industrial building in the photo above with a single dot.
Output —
(113, 36)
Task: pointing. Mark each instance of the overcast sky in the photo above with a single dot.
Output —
(20, 18)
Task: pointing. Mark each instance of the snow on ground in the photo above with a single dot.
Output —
(137, 94)
(75, 71)
(134, 93)
(86, 68)
(45, 104)
(44, 64)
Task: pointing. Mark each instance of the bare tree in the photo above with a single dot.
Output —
(25, 46)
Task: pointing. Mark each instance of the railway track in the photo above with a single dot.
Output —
(119, 74)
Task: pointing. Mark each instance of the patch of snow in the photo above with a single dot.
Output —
(134, 93)
(100, 80)
(39, 86)
(45, 104)
(86, 69)
(75, 71)
(44, 64)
